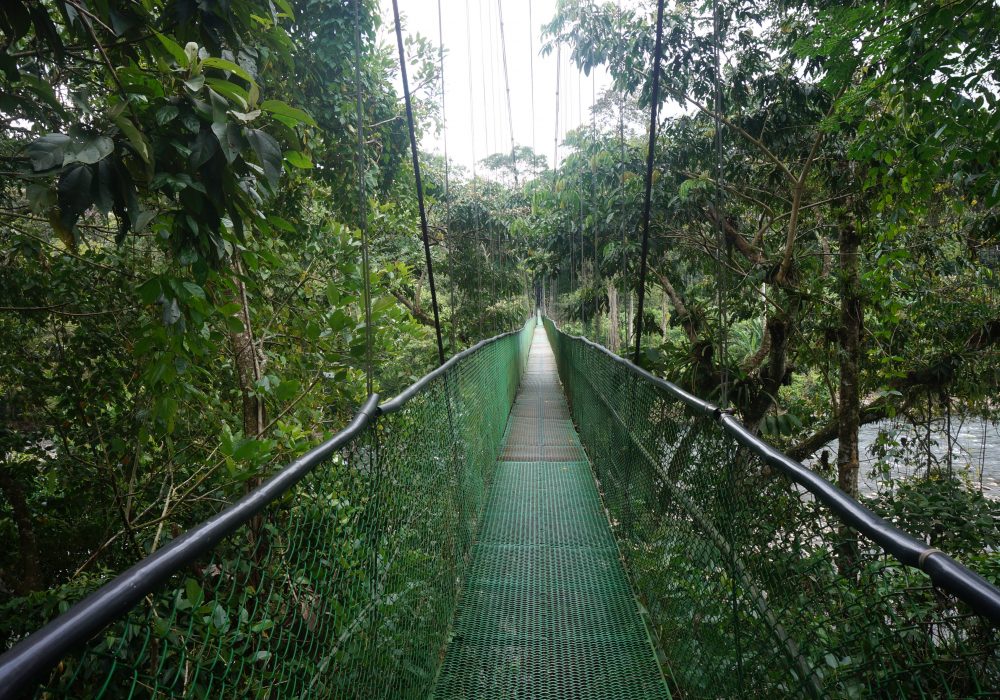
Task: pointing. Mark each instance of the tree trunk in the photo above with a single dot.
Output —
(249, 371)
(416, 293)
(614, 341)
(664, 314)
(628, 320)
(850, 360)
(31, 570)
(249, 368)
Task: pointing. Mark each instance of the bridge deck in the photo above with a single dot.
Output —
(546, 611)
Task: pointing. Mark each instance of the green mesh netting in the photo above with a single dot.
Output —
(753, 587)
(547, 610)
(346, 587)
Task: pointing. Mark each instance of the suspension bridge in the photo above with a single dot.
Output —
(536, 518)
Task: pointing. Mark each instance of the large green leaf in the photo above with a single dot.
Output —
(48, 151)
(268, 152)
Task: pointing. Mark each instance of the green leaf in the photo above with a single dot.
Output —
(174, 49)
(166, 114)
(135, 137)
(287, 389)
(41, 197)
(195, 83)
(150, 290)
(193, 290)
(298, 160)
(269, 154)
(48, 151)
(193, 591)
(203, 148)
(229, 66)
(230, 140)
(75, 193)
(285, 7)
(262, 626)
(280, 108)
(220, 618)
(247, 449)
(231, 91)
(92, 149)
(281, 224)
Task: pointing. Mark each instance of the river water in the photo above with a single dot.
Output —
(975, 452)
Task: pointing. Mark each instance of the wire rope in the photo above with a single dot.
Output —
(362, 198)
(447, 183)
(593, 222)
(488, 247)
(579, 200)
(621, 178)
(531, 64)
(555, 141)
(416, 177)
(722, 249)
(475, 180)
(506, 80)
(647, 203)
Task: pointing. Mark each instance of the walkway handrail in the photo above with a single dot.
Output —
(946, 573)
(42, 650)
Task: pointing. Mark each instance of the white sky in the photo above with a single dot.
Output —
(481, 128)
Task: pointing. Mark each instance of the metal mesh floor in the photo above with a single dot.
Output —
(546, 610)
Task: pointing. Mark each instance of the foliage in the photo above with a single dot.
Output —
(182, 288)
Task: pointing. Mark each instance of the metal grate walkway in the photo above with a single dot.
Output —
(546, 611)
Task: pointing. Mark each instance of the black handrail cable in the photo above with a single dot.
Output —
(40, 651)
(362, 197)
(419, 183)
(655, 98)
(981, 595)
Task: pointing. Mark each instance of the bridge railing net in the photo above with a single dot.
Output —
(753, 587)
(343, 588)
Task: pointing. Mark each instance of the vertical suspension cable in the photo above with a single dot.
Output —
(416, 176)
(488, 112)
(621, 182)
(482, 80)
(475, 185)
(359, 164)
(447, 184)
(655, 98)
(531, 63)
(555, 155)
(579, 199)
(496, 101)
(722, 248)
(506, 81)
(489, 96)
(555, 140)
(593, 223)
